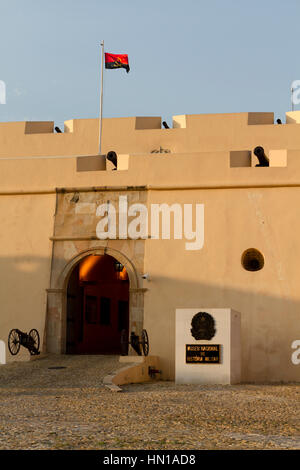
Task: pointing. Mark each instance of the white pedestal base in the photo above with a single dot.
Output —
(228, 325)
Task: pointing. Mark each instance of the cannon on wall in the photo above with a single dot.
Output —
(112, 157)
(262, 158)
(18, 338)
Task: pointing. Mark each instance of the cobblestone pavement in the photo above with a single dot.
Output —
(42, 408)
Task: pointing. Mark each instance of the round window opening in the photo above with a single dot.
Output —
(252, 260)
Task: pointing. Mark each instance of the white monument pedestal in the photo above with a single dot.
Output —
(216, 359)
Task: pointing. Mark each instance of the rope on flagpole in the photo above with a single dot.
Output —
(101, 97)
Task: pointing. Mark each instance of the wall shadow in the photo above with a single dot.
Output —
(270, 323)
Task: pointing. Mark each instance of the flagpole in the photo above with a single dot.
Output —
(101, 97)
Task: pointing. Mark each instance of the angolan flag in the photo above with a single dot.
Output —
(116, 61)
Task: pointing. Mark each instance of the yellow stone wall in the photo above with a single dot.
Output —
(245, 207)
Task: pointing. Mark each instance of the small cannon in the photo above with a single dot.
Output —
(30, 341)
(112, 157)
(261, 156)
(135, 343)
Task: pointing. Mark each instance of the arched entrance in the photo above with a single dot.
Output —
(97, 306)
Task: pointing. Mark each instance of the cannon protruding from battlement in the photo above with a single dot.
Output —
(262, 158)
(112, 157)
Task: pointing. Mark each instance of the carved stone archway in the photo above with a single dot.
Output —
(56, 321)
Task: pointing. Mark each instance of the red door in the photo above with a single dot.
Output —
(105, 315)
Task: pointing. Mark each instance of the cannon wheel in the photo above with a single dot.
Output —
(145, 342)
(124, 343)
(34, 335)
(14, 342)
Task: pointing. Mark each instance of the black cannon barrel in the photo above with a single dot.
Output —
(112, 157)
(262, 158)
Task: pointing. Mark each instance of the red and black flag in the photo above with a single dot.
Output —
(116, 61)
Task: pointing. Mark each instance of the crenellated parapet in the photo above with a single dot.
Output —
(144, 135)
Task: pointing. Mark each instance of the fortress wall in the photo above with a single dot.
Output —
(203, 133)
(154, 170)
(191, 133)
(269, 299)
(25, 260)
(259, 209)
(235, 219)
(37, 139)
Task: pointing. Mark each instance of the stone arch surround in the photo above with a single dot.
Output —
(56, 321)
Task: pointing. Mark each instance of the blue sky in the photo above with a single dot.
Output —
(186, 57)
